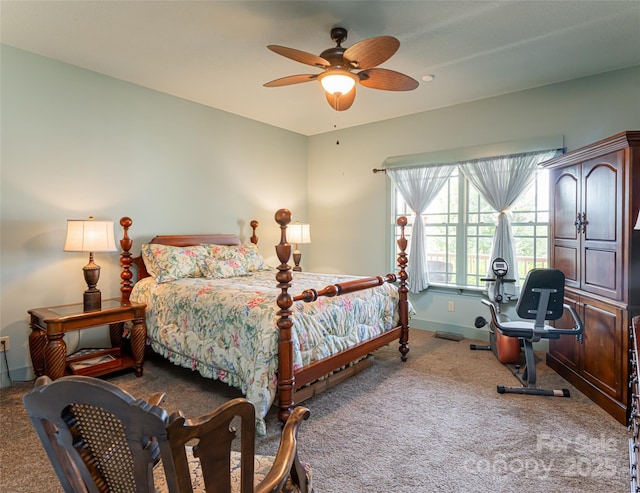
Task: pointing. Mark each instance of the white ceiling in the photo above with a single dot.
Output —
(214, 52)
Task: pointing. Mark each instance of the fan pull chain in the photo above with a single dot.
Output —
(337, 122)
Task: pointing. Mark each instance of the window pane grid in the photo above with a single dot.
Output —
(441, 218)
(449, 233)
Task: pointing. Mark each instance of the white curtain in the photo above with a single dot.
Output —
(418, 187)
(501, 180)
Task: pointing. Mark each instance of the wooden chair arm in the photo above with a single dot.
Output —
(157, 398)
(42, 381)
(286, 460)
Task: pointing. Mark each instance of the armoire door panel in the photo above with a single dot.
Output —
(566, 258)
(602, 201)
(601, 198)
(566, 203)
(600, 272)
(601, 352)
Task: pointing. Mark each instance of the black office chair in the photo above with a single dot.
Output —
(541, 299)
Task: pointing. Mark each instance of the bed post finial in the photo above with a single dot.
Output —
(126, 260)
(285, 343)
(283, 218)
(254, 225)
(403, 290)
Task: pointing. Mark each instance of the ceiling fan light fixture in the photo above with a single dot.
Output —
(337, 81)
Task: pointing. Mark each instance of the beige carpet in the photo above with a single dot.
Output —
(433, 424)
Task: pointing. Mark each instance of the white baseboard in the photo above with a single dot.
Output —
(18, 375)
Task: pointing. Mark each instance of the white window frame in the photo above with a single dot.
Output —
(454, 270)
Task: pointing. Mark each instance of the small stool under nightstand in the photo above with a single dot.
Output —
(49, 351)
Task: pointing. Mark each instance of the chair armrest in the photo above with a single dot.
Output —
(530, 331)
(578, 328)
(286, 460)
(42, 381)
(157, 398)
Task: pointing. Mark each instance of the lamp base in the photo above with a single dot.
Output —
(297, 256)
(92, 300)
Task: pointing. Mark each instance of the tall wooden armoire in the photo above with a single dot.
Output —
(595, 200)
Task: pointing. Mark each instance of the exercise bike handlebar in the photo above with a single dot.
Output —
(579, 326)
(534, 332)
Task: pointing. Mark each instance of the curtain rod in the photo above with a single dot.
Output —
(455, 163)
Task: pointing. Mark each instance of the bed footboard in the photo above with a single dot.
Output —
(288, 380)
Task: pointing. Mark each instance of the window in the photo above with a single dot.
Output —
(459, 227)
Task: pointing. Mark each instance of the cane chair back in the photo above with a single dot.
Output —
(101, 439)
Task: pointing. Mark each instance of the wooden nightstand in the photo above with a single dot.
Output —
(49, 351)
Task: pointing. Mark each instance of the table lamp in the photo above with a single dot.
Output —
(90, 236)
(298, 233)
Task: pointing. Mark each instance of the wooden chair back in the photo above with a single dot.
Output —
(99, 438)
(212, 436)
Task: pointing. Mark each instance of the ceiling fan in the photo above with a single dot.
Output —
(338, 78)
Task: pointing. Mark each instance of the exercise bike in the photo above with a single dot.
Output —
(541, 299)
(506, 349)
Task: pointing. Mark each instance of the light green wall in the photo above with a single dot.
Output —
(349, 205)
(76, 143)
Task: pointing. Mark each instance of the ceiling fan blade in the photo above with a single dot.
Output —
(386, 80)
(291, 79)
(300, 56)
(371, 52)
(343, 101)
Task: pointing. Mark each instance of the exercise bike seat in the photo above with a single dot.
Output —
(541, 299)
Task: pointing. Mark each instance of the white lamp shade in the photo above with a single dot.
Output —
(89, 236)
(299, 233)
(337, 81)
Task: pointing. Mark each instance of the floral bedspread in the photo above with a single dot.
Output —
(226, 328)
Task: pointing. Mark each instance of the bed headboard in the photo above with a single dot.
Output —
(127, 259)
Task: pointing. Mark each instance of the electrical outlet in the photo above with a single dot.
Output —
(452, 306)
(4, 343)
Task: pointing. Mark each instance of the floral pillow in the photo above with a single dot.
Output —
(248, 255)
(168, 263)
(222, 252)
(213, 268)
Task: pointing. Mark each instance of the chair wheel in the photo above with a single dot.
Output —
(501, 389)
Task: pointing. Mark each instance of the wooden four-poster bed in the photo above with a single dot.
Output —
(213, 306)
